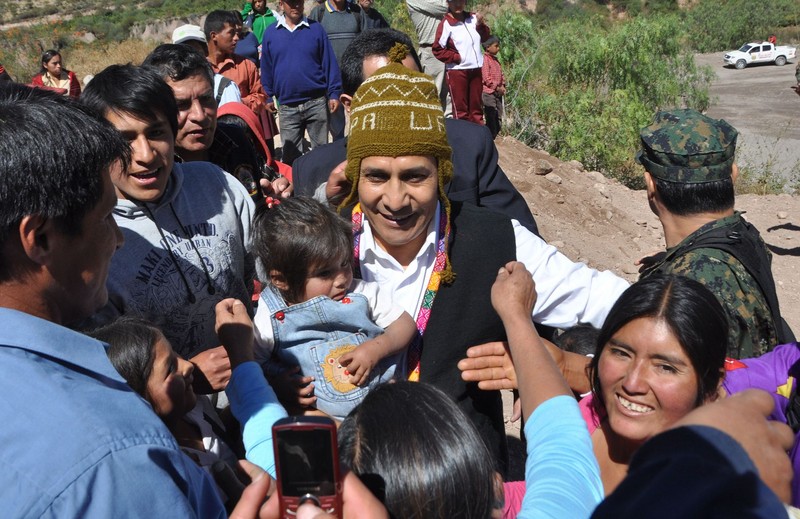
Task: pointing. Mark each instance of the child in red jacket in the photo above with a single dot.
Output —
(494, 85)
(458, 45)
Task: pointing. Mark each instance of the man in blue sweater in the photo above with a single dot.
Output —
(298, 67)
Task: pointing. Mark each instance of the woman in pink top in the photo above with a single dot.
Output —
(659, 355)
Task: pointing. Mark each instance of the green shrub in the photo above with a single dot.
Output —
(716, 26)
(586, 98)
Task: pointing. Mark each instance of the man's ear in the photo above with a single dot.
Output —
(346, 100)
(34, 236)
(649, 183)
(278, 280)
(734, 172)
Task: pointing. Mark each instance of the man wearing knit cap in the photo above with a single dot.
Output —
(689, 172)
(441, 258)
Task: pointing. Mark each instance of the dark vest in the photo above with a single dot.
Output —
(462, 316)
(743, 241)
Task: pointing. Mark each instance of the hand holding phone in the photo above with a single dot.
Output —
(307, 464)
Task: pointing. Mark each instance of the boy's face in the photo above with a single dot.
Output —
(226, 39)
(152, 156)
(293, 10)
(493, 49)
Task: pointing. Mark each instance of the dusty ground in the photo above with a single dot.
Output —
(759, 102)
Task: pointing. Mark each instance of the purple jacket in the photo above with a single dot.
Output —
(775, 372)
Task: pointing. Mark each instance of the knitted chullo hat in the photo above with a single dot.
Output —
(394, 113)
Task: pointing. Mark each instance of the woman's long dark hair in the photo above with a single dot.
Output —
(692, 314)
(419, 453)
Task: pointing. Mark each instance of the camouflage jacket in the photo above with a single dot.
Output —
(752, 330)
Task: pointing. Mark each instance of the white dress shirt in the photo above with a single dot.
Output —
(568, 293)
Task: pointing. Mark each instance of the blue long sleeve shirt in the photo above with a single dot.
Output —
(77, 441)
(561, 472)
(256, 407)
(298, 64)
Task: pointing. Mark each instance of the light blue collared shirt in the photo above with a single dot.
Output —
(77, 441)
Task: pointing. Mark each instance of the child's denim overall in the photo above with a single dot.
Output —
(314, 334)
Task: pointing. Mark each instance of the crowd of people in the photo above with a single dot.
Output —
(169, 290)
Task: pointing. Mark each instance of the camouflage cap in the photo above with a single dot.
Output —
(688, 147)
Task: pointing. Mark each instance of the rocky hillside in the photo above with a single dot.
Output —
(603, 223)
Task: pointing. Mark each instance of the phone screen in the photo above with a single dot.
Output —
(306, 462)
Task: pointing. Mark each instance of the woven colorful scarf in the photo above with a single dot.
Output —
(424, 315)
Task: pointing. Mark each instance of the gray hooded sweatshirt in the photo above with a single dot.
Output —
(182, 255)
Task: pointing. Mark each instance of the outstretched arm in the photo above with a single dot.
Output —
(561, 473)
(539, 379)
(492, 367)
(253, 402)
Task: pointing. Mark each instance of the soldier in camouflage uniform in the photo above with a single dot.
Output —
(690, 170)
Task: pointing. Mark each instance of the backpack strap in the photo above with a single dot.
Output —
(223, 84)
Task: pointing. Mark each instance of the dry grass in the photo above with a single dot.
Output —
(91, 59)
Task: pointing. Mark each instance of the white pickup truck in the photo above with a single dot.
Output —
(763, 52)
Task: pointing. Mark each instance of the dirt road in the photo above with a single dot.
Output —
(759, 102)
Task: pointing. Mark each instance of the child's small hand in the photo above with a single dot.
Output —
(359, 363)
(235, 330)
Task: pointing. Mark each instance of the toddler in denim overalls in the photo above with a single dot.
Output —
(345, 333)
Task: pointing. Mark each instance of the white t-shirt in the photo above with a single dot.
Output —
(382, 308)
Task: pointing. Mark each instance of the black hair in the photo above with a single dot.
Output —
(684, 199)
(491, 40)
(580, 339)
(176, 62)
(692, 314)
(372, 42)
(53, 156)
(216, 20)
(297, 235)
(233, 120)
(131, 343)
(419, 453)
(128, 89)
(47, 56)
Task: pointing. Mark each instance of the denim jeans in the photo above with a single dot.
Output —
(314, 334)
(311, 116)
(337, 123)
